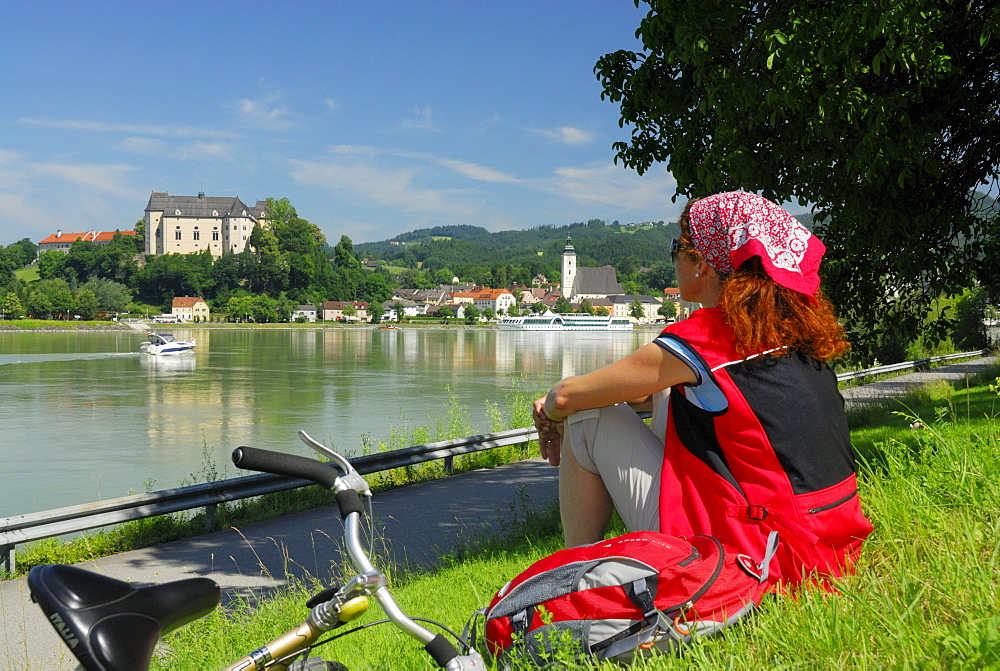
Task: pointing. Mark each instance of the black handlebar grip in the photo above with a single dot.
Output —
(441, 650)
(266, 461)
(349, 501)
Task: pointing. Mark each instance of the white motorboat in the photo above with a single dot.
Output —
(165, 343)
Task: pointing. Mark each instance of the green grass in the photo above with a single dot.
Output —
(27, 274)
(926, 594)
(58, 323)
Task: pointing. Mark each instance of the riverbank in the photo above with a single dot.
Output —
(58, 326)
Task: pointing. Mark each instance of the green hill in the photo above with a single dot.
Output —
(597, 243)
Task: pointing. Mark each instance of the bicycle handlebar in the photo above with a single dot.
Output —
(254, 459)
(341, 477)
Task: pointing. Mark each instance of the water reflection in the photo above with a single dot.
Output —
(168, 364)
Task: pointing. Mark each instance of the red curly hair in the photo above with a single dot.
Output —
(765, 315)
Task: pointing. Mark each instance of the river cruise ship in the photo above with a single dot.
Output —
(564, 322)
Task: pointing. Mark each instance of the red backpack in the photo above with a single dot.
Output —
(640, 590)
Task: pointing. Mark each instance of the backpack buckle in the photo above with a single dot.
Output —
(757, 513)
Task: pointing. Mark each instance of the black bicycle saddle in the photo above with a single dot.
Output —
(110, 624)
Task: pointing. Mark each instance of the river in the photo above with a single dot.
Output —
(84, 416)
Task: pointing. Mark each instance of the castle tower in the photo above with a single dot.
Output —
(568, 269)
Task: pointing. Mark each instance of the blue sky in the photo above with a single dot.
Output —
(374, 118)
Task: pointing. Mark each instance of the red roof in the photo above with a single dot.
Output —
(89, 236)
(186, 301)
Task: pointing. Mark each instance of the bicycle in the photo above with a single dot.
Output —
(110, 624)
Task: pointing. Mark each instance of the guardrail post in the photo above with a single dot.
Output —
(8, 558)
(449, 464)
(210, 511)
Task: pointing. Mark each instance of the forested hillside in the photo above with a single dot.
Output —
(596, 242)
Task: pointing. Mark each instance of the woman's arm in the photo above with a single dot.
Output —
(642, 373)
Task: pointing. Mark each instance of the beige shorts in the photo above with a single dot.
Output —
(616, 444)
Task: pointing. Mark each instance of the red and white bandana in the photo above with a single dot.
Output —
(729, 228)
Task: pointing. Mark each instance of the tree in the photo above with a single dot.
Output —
(86, 304)
(350, 311)
(58, 297)
(376, 289)
(563, 306)
(283, 308)
(881, 115)
(50, 264)
(445, 313)
(11, 306)
(970, 322)
(109, 295)
(635, 309)
(668, 310)
(376, 312)
(586, 307)
(139, 239)
(37, 304)
(240, 308)
(471, 314)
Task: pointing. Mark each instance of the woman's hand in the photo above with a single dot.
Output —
(549, 433)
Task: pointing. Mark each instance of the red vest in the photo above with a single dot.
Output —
(778, 458)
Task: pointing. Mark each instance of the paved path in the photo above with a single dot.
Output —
(419, 522)
(900, 386)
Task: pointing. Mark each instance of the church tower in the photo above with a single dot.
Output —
(568, 269)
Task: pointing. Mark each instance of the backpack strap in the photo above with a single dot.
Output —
(520, 621)
(470, 634)
(638, 632)
(765, 563)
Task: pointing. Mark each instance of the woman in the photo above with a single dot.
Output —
(756, 438)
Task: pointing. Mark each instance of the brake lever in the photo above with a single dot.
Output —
(349, 478)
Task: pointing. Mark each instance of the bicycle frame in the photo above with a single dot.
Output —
(67, 594)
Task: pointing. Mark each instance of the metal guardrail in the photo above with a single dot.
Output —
(907, 365)
(73, 519)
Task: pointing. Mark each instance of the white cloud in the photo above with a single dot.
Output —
(128, 129)
(24, 219)
(386, 187)
(331, 104)
(614, 186)
(474, 171)
(206, 150)
(264, 112)
(104, 178)
(480, 173)
(143, 145)
(421, 120)
(567, 135)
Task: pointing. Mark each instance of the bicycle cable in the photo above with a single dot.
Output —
(362, 627)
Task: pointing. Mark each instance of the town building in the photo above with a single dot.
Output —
(305, 312)
(190, 309)
(408, 308)
(494, 299)
(335, 311)
(586, 283)
(61, 242)
(190, 224)
(623, 305)
(684, 308)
